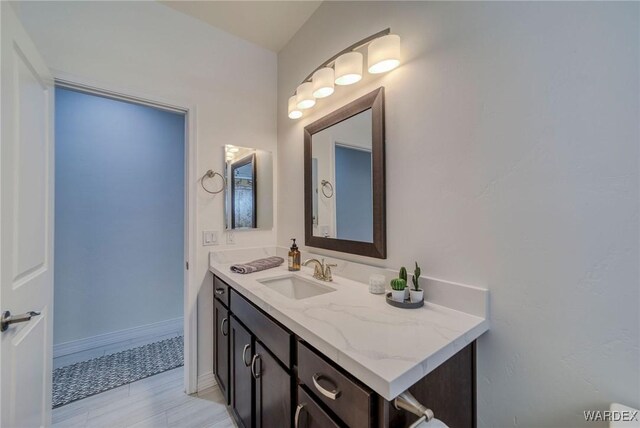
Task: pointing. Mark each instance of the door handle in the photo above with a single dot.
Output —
(296, 419)
(333, 394)
(7, 319)
(219, 291)
(224, 321)
(247, 347)
(254, 371)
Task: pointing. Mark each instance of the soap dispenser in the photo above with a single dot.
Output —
(294, 256)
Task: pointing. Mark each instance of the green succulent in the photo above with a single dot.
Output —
(416, 277)
(403, 273)
(398, 284)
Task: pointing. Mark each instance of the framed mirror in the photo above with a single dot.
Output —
(249, 190)
(344, 174)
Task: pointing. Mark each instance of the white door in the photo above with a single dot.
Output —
(26, 227)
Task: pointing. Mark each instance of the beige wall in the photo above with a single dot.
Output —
(512, 164)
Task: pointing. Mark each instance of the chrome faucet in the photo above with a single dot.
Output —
(321, 270)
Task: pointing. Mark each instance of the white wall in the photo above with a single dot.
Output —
(512, 163)
(147, 48)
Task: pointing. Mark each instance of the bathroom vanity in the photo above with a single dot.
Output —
(294, 351)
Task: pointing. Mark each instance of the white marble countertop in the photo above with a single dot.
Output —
(387, 348)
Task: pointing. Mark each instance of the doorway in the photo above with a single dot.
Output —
(119, 243)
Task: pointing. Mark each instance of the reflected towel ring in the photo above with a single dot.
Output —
(324, 184)
(211, 174)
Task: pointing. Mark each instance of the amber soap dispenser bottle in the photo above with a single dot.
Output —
(294, 256)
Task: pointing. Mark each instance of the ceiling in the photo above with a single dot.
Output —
(269, 24)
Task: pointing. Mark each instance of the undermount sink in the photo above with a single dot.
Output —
(295, 287)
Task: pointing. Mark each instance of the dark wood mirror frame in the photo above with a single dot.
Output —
(378, 248)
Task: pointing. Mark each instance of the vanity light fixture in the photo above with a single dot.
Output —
(323, 82)
(304, 96)
(345, 68)
(348, 68)
(294, 111)
(383, 54)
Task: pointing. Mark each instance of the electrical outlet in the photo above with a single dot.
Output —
(210, 237)
(231, 237)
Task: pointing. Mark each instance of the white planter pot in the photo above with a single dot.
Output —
(416, 295)
(406, 293)
(397, 295)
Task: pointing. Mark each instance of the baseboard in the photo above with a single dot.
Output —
(206, 380)
(161, 328)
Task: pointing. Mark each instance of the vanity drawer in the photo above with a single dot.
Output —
(221, 291)
(309, 414)
(347, 398)
(269, 332)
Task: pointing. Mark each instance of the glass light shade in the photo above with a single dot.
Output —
(304, 96)
(323, 82)
(383, 54)
(294, 113)
(348, 68)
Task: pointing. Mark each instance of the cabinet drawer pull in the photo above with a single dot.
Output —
(254, 362)
(333, 394)
(296, 419)
(247, 347)
(219, 291)
(222, 324)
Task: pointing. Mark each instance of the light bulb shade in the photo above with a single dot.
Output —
(294, 113)
(304, 96)
(323, 80)
(348, 68)
(383, 54)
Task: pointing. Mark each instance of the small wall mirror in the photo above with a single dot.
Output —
(344, 179)
(249, 191)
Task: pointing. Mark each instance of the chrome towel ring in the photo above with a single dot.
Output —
(212, 174)
(325, 184)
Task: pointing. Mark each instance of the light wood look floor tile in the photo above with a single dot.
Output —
(155, 402)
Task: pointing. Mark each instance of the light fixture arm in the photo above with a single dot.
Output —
(353, 47)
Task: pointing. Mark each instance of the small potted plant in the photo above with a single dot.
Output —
(416, 294)
(398, 286)
(403, 275)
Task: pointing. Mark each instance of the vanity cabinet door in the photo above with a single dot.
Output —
(273, 390)
(241, 379)
(221, 347)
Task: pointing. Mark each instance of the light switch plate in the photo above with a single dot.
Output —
(210, 237)
(231, 237)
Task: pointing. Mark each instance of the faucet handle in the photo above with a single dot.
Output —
(327, 271)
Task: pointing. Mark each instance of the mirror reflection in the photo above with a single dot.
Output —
(342, 190)
(248, 194)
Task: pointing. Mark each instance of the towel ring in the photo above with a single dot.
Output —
(325, 183)
(211, 174)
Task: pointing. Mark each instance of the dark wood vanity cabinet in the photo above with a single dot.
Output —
(272, 378)
(272, 391)
(252, 362)
(221, 347)
(241, 386)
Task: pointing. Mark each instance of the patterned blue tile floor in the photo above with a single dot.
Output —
(86, 378)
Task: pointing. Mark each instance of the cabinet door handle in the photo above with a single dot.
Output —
(247, 347)
(254, 362)
(222, 324)
(333, 394)
(219, 291)
(296, 419)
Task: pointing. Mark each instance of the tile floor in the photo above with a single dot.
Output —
(156, 402)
